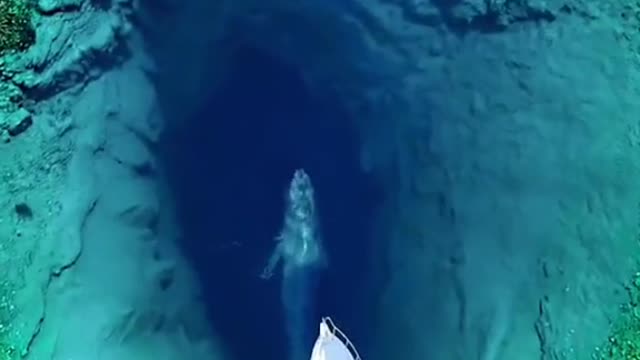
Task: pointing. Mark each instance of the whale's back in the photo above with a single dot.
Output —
(300, 235)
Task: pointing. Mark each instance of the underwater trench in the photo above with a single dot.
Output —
(229, 167)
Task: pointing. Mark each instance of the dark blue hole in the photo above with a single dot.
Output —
(229, 167)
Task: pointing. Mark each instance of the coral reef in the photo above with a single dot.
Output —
(7, 348)
(16, 29)
(623, 342)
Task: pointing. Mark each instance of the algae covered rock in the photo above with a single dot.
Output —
(16, 122)
(16, 29)
(623, 342)
(53, 6)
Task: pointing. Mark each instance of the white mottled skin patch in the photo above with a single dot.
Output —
(299, 242)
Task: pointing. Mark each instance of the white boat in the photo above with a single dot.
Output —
(333, 344)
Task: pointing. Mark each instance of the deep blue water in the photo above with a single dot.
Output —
(229, 167)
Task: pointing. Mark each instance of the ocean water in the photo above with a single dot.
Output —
(230, 167)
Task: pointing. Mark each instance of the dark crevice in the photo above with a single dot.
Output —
(229, 166)
(461, 17)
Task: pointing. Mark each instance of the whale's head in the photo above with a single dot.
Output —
(300, 198)
(301, 235)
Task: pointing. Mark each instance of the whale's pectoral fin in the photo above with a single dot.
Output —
(273, 262)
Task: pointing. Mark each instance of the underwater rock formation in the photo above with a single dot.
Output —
(502, 132)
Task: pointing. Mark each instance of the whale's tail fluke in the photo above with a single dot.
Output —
(298, 292)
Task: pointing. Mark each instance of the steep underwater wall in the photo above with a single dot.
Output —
(505, 135)
(513, 217)
(89, 266)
